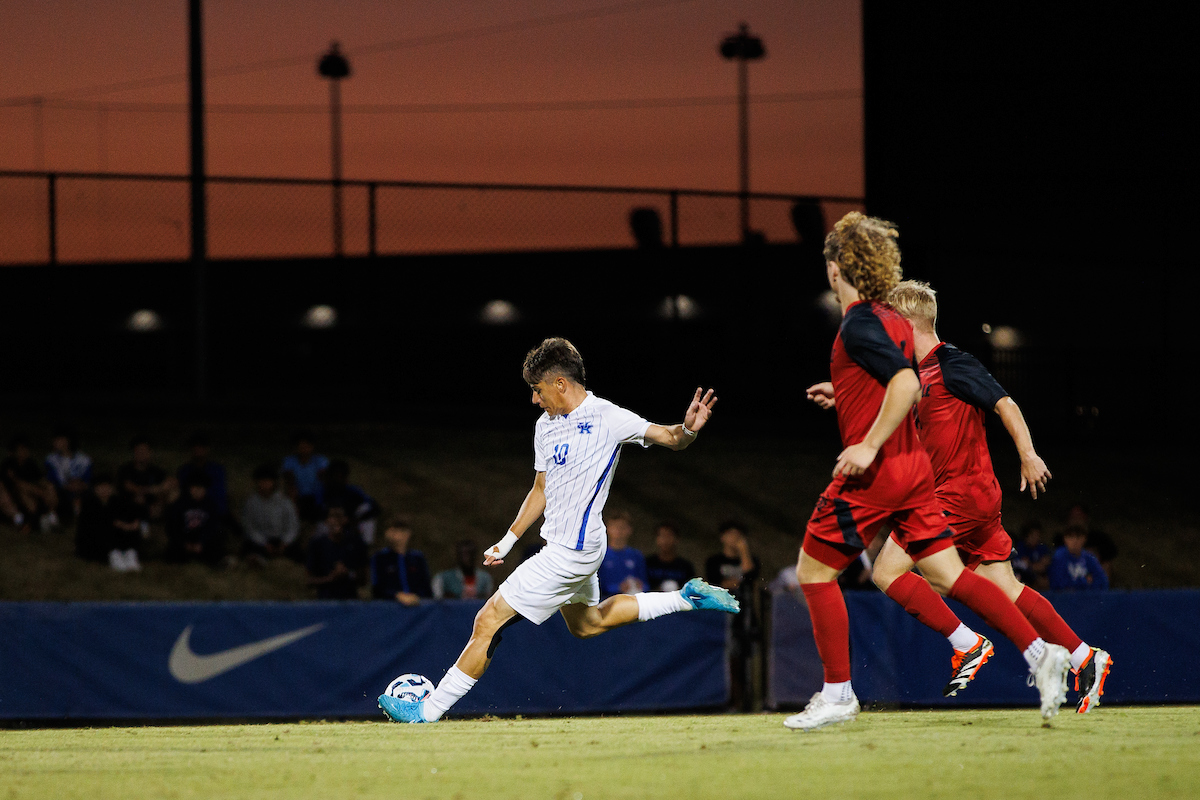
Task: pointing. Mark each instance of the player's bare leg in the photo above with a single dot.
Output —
(1090, 664)
(587, 621)
(835, 703)
(892, 572)
(1048, 663)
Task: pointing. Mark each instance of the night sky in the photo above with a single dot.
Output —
(434, 64)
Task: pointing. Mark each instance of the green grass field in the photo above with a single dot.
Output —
(1114, 752)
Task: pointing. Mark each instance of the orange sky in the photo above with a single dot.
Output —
(645, 50)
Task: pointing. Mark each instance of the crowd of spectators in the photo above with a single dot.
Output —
(303, 508)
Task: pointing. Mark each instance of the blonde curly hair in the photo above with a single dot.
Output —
(866, 252)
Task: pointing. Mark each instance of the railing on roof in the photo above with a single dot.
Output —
(89, 217)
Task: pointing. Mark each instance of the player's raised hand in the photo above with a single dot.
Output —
(699, 410)
(855, 460)
(1034, 474)
(821, 394)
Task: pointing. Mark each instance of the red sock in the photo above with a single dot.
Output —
(918, 599)
(1046, 621)
(831, 628)
(988, 601)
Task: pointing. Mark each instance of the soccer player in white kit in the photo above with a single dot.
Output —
(577, 443)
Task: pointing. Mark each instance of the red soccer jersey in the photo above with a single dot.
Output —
(873, 344)
(956, 393)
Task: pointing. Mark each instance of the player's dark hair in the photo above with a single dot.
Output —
(866, 252)
(552, 358)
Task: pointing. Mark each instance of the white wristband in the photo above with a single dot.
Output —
(686, 431)
(501, 548)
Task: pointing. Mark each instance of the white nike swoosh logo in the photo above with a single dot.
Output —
(188, 667)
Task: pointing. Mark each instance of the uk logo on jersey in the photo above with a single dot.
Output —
(585, 427)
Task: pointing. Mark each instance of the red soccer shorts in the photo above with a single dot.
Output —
(839, 530)
(978, 541)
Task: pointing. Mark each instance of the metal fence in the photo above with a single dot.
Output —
(78, 217)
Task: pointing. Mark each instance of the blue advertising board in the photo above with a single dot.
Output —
(895, 659)
(332, 659)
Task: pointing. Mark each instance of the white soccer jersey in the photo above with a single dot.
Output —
(579, 453)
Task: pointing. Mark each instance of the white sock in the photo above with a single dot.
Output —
(1033, 653)
(963, 638)
(453, 686)
(837, 692)
(1080, 655)
(656, 604)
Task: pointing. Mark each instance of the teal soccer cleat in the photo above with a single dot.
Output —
(700, 594)
(402, 710)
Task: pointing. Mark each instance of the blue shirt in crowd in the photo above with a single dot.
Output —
(619, 565)
(1076, 572)
(308, 480)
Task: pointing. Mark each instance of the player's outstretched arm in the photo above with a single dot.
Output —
(1034, 472)
(531, 511)
(903, 391)
(680, 437)
(822, 395)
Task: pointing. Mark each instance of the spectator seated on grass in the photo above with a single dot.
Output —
(35, 498)
(108, 528)
(144, 482)
(1098, 542)
(12, 512)
(1031, 556)
(666, 570)
(201, 463)
(464, 581)
(1073, 567)
(194, 530)
(337, 558)
(302, 474)
(623, 570)
(398, 572)
(361, 509)
(70, 471)
(269, 521)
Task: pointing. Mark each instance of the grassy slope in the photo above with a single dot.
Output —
(456, 484)
(1116, 752)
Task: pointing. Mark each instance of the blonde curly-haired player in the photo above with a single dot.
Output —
(884, 475)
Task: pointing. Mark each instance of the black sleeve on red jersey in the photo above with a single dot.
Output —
(967, 379)
(868, 345)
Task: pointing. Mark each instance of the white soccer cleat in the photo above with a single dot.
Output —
(1050, 678)
(820, 712)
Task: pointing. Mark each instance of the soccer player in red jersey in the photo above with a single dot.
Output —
(884, 475)
(957, 392)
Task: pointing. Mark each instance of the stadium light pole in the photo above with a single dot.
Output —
(199, 206)
(334, 66)
(743, 48)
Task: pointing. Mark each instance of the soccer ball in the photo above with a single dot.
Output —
(410, 687)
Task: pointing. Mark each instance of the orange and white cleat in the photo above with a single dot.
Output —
(966, 664)
(1090, 678)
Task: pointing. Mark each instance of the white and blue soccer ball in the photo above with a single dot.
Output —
(410, 687)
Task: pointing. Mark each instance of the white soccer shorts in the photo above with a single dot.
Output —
(553, 577)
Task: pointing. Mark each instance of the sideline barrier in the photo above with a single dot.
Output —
(197, 660)
(896, 659)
